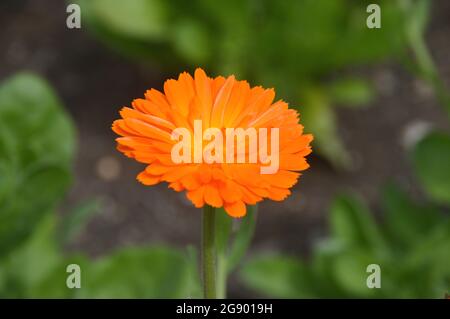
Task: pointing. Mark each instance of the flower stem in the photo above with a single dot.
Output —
(222, 272)
(208, 253)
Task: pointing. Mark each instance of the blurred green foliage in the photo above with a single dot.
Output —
(294, 46)
(37, 144)
(414, 257)
(36, 149)
(411, 245)
(432, 163)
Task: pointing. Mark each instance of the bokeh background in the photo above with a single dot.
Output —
(375, 99)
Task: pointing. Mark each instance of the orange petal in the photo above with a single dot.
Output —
(212, 196)
(278, 194)
(190, 182)
(236, 209)
(177, 172)
(179, 95)
(196, 196)
(220, 103)
(230, 192)
(282, 178)
(147, 130)
(147, 107)
(150, 119)
(158, 169)
(148, 179)
(292, 162)
(204, 94)
(176, 186)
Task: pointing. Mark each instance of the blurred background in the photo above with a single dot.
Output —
(378, 190)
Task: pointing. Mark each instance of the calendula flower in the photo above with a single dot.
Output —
(208, 174)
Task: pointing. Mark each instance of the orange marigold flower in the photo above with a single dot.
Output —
(146, 135)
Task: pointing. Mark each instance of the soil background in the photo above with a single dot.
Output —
(93, 82)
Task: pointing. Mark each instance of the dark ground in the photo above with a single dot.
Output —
(94, 83)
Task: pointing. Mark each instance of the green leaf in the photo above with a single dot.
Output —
(140, 19)
(243, 237)
(349, 271)
(407, 222)
(278, 277)
(417, 13)
(431, 158)
(322, 266)
(34, 125)
(319, 118)
(73, 221)
(191, 41)
(54, 285)
(31, 261)
(36, 150)
(351, 92)
(156, 272)
(352, 224)
(195, 288)
(433, 250)
(21, 213)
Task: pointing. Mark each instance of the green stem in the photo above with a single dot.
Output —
(209, 253)
(422, 56)
(222, 273)
(428, 69)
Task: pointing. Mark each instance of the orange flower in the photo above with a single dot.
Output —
(146, 135)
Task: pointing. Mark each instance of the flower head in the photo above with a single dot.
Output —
(202, 103)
